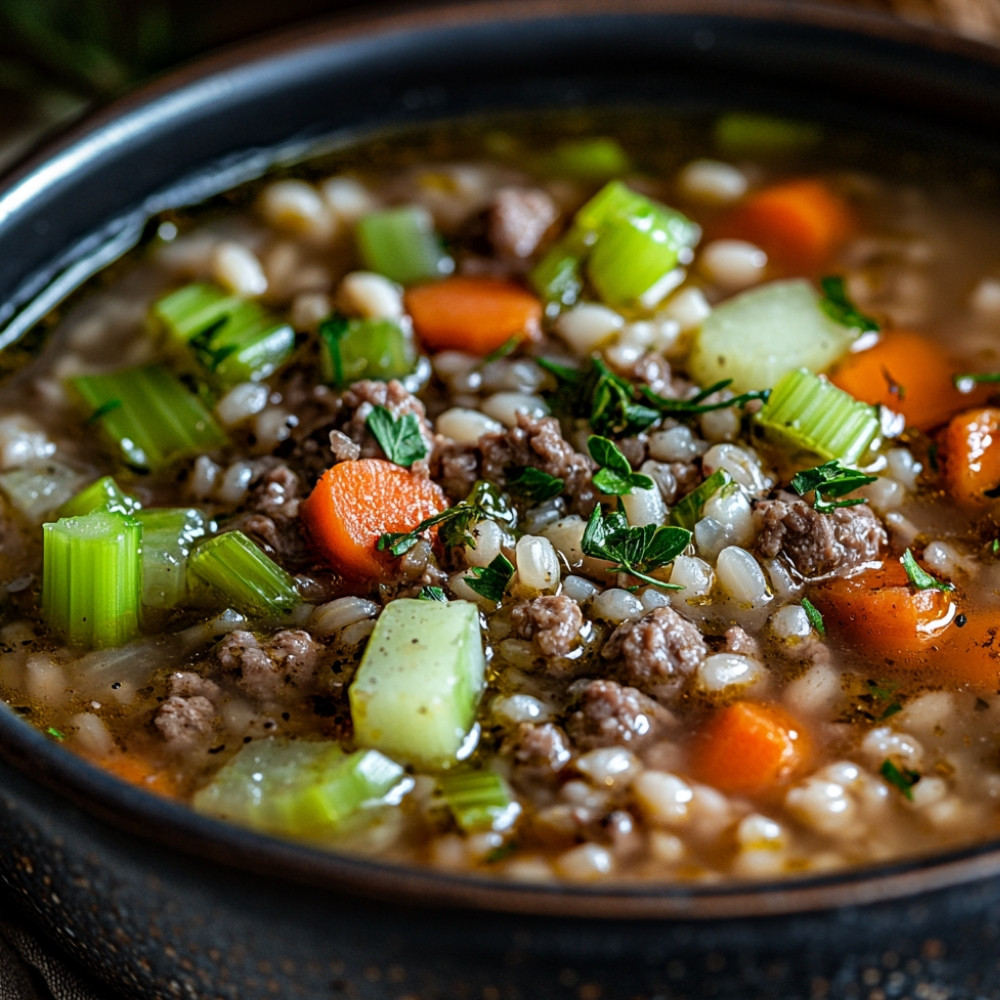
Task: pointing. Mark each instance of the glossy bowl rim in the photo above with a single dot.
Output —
(174, 827)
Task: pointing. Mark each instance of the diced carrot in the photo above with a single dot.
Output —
(798, 223)
(472, 314)
(908, 373)
(748, 748)
(354, 503)
(140, 770)
(970, 454)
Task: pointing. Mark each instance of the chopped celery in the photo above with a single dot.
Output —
(558, 276)
(401, 243)
(305, 789)
(90, 578)
(37, 491)
(809, 413)
(687, 511)
(235, 340)
(416, 692)
(364, 348)
(168, 534)
(479, 800)
(595, 158)
(251, 581)
(757, 336)
(102, 494)
(150, 415)
(750, 134)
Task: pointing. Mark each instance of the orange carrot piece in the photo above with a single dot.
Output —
(748, 748)
(139, 770)
(354, 503)
(908, 373)
(472, 314)
(798, 223)
(970, 451)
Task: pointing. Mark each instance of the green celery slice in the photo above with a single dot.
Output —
(479, 800)
(90, 578)
(235, 340)
(168, 536)
(808, 413)
(558, 276)
(593, 158)
(102, 494)
(302, 788)
(361, 348)
(150, 415)
(401, 243)
(748, 134)
(252, 581)
(417, 690)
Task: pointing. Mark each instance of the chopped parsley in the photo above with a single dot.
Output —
(904, 779)
(636, 550)
(507, 347)
(919, 577)
(696, 404)
(615, 476)
(201, 344)
(399, 437)
(837, 304)
(687, 511)
(55, 733)
(533, 484)
(814, 616)
(964, 381)
(430, 593)
(830, 480)
(491, 581)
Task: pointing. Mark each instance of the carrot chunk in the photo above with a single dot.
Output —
(798, 223)
(970, 450)
(141, 771)
(472, 314)
(355, 503)
(908, 373)
(748, 748)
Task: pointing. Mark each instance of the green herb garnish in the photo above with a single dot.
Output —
(965, 380)
(615, 476)
(55, 733)
(919, 577)
(507, 347)
(533, 484)
(903, 780)
(430, 593)
(837, 304)
(491, 581)
(814, 616)
(696, 404)
(831, 480)
(399, 437)
(687, 511)
(636, 550)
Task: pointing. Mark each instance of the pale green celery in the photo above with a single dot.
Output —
(102, 494)
(750, 134)
(594, 158)
(401, 243)
(479, 800)
(361, 348)
(168, 536)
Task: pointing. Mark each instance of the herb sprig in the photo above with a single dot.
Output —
(533, 484)
(696, 404)
(814, 615)
(919, 577)
(615, 476)
(831, 479)
(491, 581)
(903, 779)
(399, 437)
(837, 304)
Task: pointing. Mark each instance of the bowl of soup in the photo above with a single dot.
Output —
(503, 502)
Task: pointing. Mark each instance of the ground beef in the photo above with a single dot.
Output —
(278, 669)
(361, 398)
(610, 714)
(656, 652)
(739, 641)
(186, 684)
(517, 220)
(455, 467)
(185, 723)
(276, 492)
(553, 624)
(818, 545)
(272, 517)
(538, 752)
(538, 442)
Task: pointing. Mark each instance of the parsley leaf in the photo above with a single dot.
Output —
(687, 511)
(430, 593)
(814, 616)
(534, 484)
(636, 550)
(507, 347)
(491, 581)
(331, 332)
(201, 344)
(55, 733)
(696, 404)
(399, 437)
(836, 303)
(964, 381)
(919, 577)
(831, 480)
(903, 780)
(615, 475)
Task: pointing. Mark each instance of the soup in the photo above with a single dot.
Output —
(607, 505)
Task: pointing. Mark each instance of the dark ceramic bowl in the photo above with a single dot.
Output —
(159, 902)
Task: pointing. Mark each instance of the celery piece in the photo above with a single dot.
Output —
(759, 335)
(558, 276)
(233, 339)
(250, 580)
(806, 412)
(401, 244)
(613, 202)
(102, 494)
(90, 578)
(687, 511)
(479, 800)
(305, 789)
(593, 158)
(356, 349)
(416, 692)
(748, 134)
(150, 415)
(168, 535)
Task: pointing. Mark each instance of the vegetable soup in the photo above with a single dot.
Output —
(598, 504)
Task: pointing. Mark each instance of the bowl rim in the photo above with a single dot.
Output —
(177, 828)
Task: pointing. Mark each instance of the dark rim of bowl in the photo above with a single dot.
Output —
(174, 826)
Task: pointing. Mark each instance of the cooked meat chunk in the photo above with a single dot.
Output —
(539, 750)
(552, 623)
(657, 652)
(276, 493)
(280, 668)
(518, 219)
(456, 467)
(185, 722)
(818, 545)
(738, 640)
(610, 714)
(186, 684)
(362, 397)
